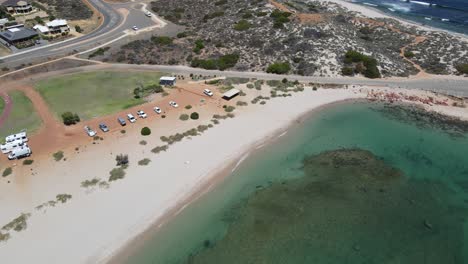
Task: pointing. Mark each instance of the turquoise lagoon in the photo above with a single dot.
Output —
(353, 183)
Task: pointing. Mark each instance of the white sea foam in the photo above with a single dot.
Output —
(391, 9)
(369, 4)
(445, 19)
(420, 3)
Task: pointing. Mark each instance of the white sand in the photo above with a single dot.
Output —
(93, 225)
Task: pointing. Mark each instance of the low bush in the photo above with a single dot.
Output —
(144, 162)
(279, 68)
(229, 108)
(462, 68)
(188, 107)
(146, 131)
(7, 171)
(184, 117)
(242, 25)
(116, 174)
(158, 149)
(58, 155)
(28, 162)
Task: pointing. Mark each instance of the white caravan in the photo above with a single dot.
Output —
(8, 147)
(19, 153)
(21, 135)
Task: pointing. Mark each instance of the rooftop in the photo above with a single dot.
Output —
(15, 34)
(57, 23)
(15, 3)
(167, 78)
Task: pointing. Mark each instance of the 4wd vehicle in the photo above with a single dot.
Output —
(173, 104)
(157, 110)
(89, 131)
(208, 92)
(103, 127)
(131, 118)
(121, 121)
(141, 114)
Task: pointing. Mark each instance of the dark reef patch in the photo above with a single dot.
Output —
(350, 207)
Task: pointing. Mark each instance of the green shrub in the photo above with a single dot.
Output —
(199, 45)
(28, 162)
(184, 117)
(7, 171)
(144, 162)
(158, 149)
(279, 68)
(58, 155)
(188, 107)
(242, 25)
(161, 40)
(409, 54)
(229, 108)
(78, 29)
(194, 116)
(116, 174)
(63, 197)
(70, 119)
(280, 18)
(222, 63)
(370, 64)
(146, 131)
(462, 68)
(143, 142)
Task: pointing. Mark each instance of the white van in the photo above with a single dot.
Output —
(19, 153)
(21, 135)
(8, 147)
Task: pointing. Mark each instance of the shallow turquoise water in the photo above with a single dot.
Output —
(425, 208)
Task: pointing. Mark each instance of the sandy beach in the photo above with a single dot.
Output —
(99, 221)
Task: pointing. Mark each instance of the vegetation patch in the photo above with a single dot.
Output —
(144, 91)
(144, 162)
(98, 52)
(184, 117)
(279, 68)
(280, 18)
(90, 183)
(93, 94)
(70, 118)
(229, 108)
(116, 174)
(194, 116)
(361, 63)
(58, 155)
(242, 25)
(63, 198)
(222, 63)
(28, 162)
(158, 149)
(143, 142)
(462, 68)
(18, 224)
(146, 131)
(161, 40)
(7, 171)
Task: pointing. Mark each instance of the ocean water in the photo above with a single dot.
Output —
(445, 14)
(354, 183)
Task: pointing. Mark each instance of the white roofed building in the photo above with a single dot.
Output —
(58, 26)
(42, 29)
(167, 80)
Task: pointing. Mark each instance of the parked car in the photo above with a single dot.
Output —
(104, 127)
(121, 121)
(20, 152)
(89, 131)
(157, 110)
(135, 28)
(148, 14)
(131, 118)
(173, 104)
(208, 92)
(141, 114)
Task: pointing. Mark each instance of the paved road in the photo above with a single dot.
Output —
(457, 86)
(113, 27)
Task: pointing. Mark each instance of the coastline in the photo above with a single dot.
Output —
(216, 177)
(372, 12)
(150, 196)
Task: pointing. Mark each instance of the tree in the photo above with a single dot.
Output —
(78, 29)
(347, 71)
(70, 119)
(146, 131)
(194, 116)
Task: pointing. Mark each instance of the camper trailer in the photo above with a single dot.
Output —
(8, 147)
(20, 152)
(21, 135)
